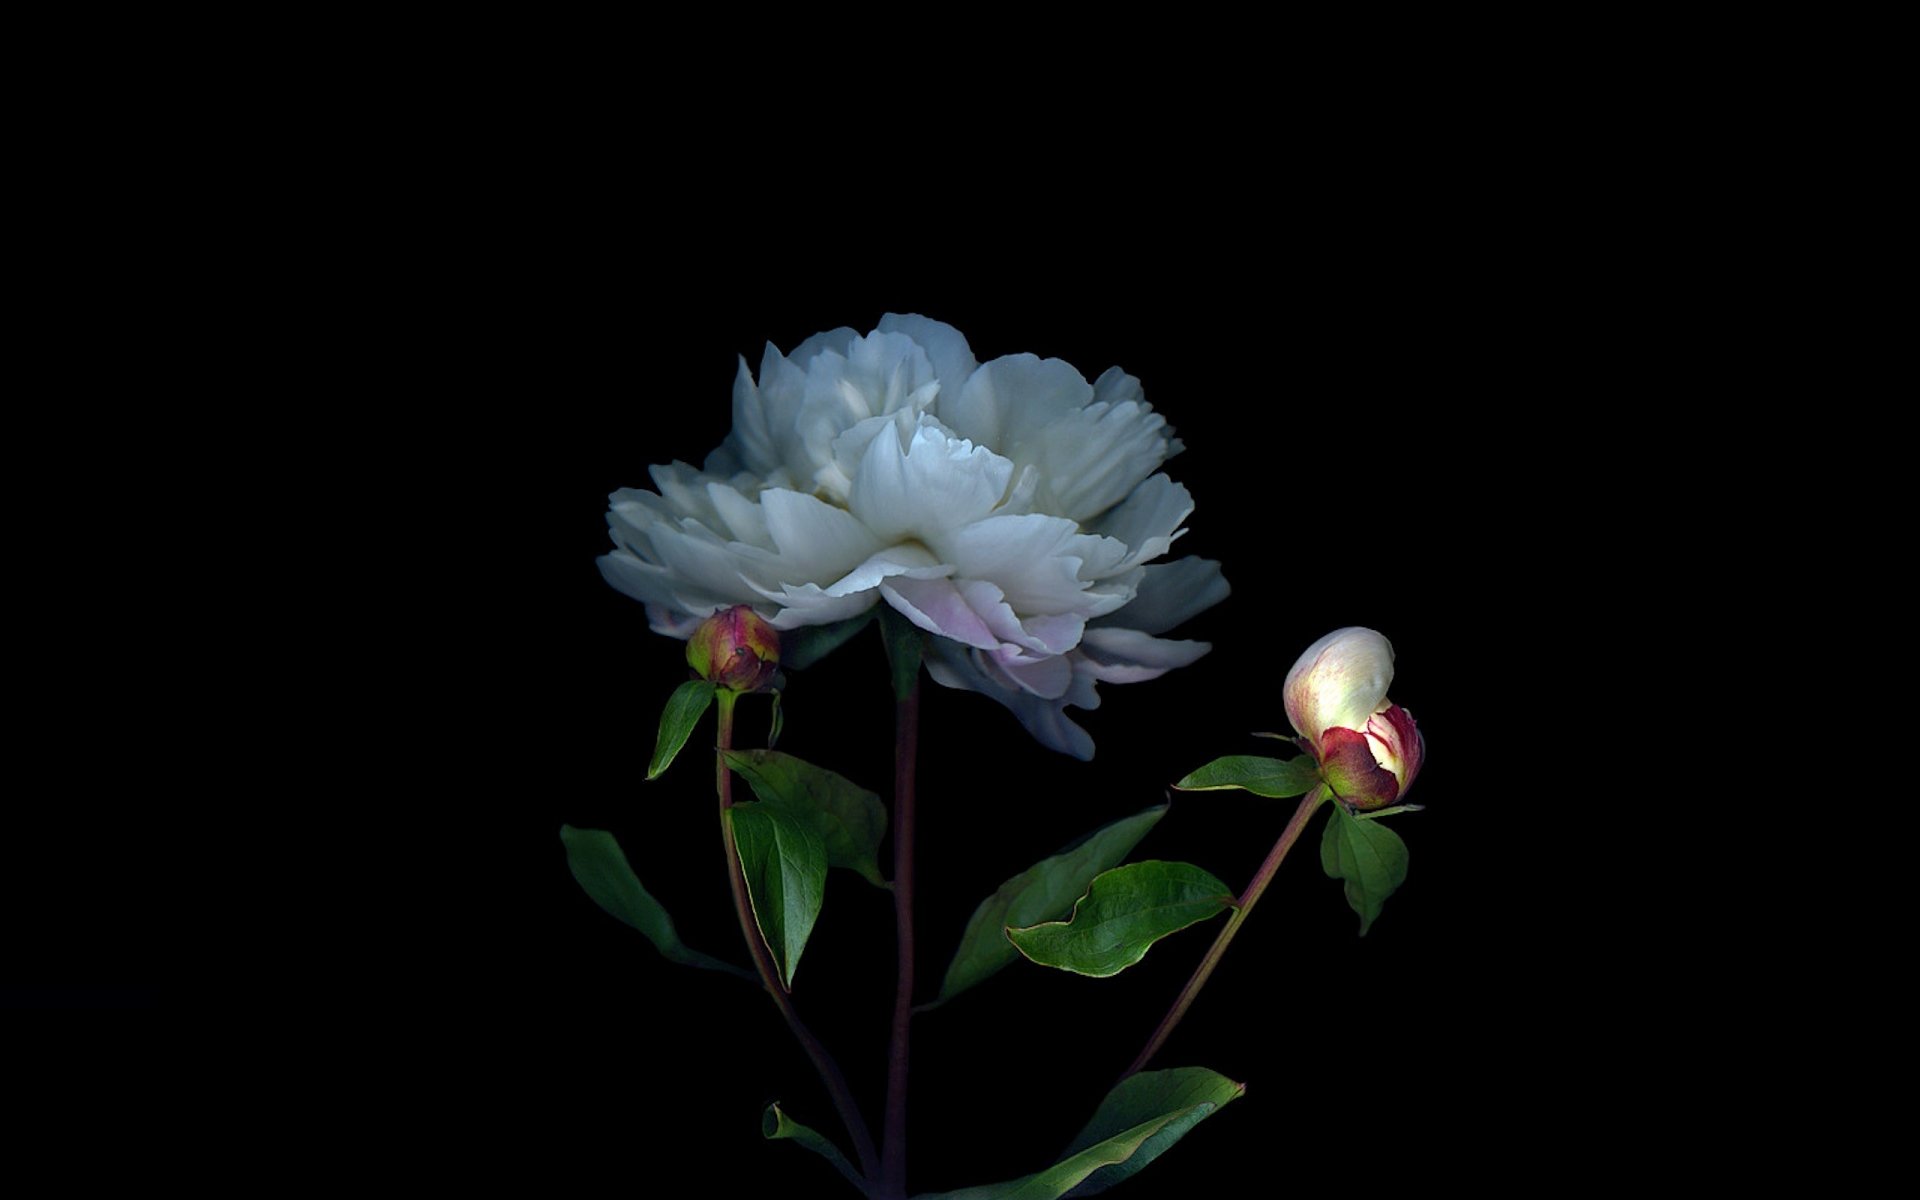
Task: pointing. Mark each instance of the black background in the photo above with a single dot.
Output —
(1352, 459)
(1367, 443)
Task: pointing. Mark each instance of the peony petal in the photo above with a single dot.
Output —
(1030, 556)
(1011, 399)
(1171, 593)
(1091, 459)
(819, 543)
(739, 518)
(936, 606)
(1047, 678)
(910, 561)
(1129, 656)
(953, 665)
(1147, 520)
(931, 484)
(808, 604)
(1338, 682)
(952, 358)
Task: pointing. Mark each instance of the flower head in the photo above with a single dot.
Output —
(1369, 748)
(735, 649)
(1010, 508)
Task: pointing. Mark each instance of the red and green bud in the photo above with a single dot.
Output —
(735, 649)
(1368, 747)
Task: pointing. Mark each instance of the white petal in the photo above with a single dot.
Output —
(807, 604)
(1035, 559)
(1091, 459)
(1171, 593)
(740, 518)
(707, 565)
(1047, 678)
(911, 561)
(819, 542)
(1011, 398)
(1147, 520)
(933, 484)
(1338, 682)
(1129, 656)
(953, 361)
(880, 374)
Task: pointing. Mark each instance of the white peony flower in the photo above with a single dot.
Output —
(1009, 507)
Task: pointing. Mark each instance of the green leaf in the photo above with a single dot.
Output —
(1368, 855)
(1194, 1091)
(777, 1125)
(850, 820)
(1122, 915)
(803, 647)
(597, 862)
(1159, 1109)
(685, 707)
(1249, 772)
(1042, 892)
(905, 644)
(786, 869)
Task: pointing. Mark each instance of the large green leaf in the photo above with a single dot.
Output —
(595, 858)
(776, 1125)
(1194, 1091)
(685, 707)
(1368, 855)
(1122, 915)
(803, 647)
(1252, 773)
(1135, 1124)
(850, 820)
(786, 869)
(1042, 892)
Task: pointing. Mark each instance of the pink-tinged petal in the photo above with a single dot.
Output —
(1397, 744)
(1047, 678)
(1339, 681)
(1347, 764)
(936, 606)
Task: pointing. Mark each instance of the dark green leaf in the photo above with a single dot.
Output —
(1249, 772)
(1161, 1110)
(1124, 913)
(786, 869)
(850, 820)
(1194, 1091)
(597, 862)
(685, 707)
(779, 722)
(905, 643)
(1368, 855)
(777, 1125)
(803, 647)
(1043, 892)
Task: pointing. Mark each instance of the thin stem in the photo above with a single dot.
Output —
(906, 752)
(823, 1062)
(1242, 907)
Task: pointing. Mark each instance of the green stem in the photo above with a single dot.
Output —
(1242, 907)
(830, 1073)
(906, 752)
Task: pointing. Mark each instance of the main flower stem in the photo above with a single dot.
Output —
(906, 752)
(1242, 907)
(823, 1062)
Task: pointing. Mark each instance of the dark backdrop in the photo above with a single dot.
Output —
(1366, 445)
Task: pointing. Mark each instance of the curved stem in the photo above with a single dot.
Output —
(906, 751)
(1242, 907)
(830, 1073)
